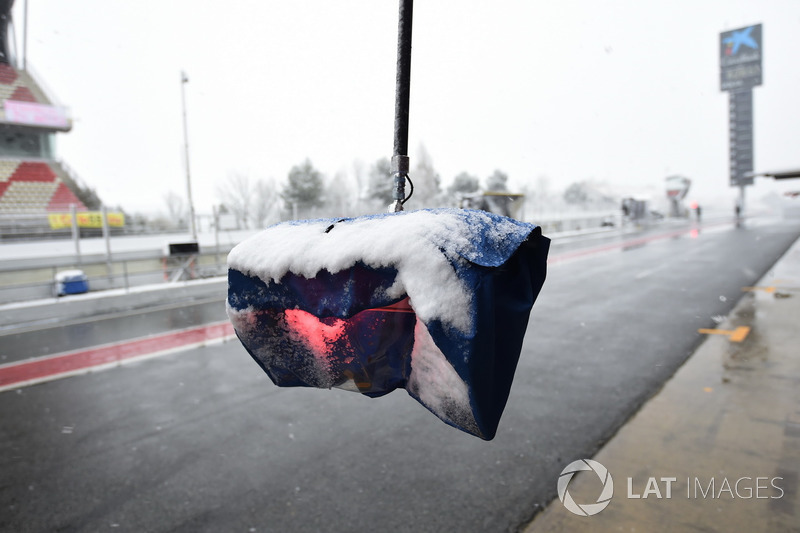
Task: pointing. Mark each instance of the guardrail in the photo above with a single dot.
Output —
(30, 280)
(578, 221)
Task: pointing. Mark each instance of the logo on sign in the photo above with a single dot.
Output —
(586, 509)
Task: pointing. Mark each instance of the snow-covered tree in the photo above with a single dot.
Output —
(304, 187)
(176, 209)
(498, 181)
(427, 183)
(464, 183)
(236, 194)
(341, 194)
(381, 182)
(265, 199)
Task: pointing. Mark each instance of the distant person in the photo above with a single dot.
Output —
(698, 212)
(737, 209)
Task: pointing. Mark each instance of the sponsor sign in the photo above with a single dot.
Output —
(33, 114)
(740, 58)
(86, 219)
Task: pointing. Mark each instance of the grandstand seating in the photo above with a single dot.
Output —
(33, 171)
(8, 74)
(33, 187)
(23, 94)
(13, 86)
(30, 187)
(63, 198)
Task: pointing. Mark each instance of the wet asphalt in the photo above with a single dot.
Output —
(26, 343)
(202, 441)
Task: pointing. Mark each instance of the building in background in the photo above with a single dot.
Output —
(37, 191)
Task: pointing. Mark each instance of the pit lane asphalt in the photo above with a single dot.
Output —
(202, 441)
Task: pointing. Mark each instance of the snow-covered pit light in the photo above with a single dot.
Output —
(422, 247)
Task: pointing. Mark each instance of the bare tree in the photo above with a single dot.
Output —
(176, 210)
(360, 178)
(543, 186)
(358, 175)
(341, 194)
(265, 199)
(236, 193)
(381, 183)
(426, 180)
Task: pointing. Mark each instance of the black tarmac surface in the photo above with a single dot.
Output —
(25, 343)
(202, 441)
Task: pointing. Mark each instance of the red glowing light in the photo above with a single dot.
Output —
(329, 339)
(317, 335)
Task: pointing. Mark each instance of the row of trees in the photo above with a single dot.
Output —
(306, 193)
(246, 202)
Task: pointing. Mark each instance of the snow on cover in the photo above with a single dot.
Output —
(428, 249)
(437, 384)
(421, 245)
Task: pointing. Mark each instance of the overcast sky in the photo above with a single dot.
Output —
(624, 92)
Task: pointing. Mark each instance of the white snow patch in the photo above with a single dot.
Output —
(437, 384)
(244, 320)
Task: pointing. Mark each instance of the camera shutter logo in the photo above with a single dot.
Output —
(587, 509)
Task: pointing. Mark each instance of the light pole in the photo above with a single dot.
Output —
(184, 80)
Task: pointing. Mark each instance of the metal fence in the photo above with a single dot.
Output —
(31, 279)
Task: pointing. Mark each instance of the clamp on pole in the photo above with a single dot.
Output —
(400, 168)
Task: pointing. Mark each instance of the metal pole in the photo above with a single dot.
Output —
(741, 200)
(76, 234)
(184, 80)
(107, 237)
(216, 236)
(125, 271)
(400, 160)
(25, 39)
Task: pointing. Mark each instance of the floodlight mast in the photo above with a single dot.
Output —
(24, 38)
(192, 224)
(400, 160)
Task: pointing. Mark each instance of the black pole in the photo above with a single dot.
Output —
(403, 78)
(400, 161)
(5, 41)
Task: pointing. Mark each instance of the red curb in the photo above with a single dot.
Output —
(52, 366)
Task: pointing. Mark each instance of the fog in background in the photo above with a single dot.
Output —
(619, 94)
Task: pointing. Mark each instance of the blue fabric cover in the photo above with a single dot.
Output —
(370, 346)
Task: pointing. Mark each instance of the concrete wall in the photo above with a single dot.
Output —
(54, 310)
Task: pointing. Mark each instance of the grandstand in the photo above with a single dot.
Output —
(33, 183)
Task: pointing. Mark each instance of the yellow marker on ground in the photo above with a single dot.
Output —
(765, 289)
(737, 335)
